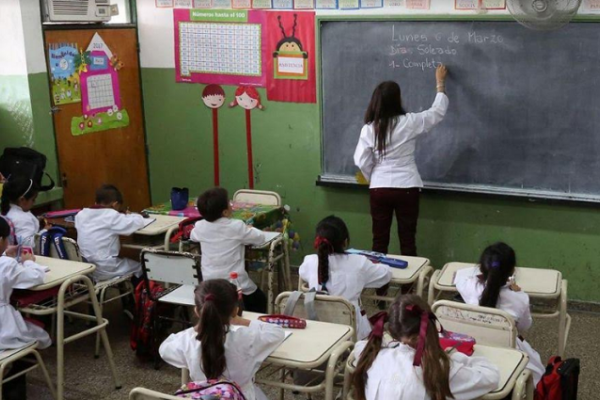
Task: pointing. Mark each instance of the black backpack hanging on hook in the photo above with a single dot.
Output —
(25, 163)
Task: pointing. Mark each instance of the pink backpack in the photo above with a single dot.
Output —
(212, 389)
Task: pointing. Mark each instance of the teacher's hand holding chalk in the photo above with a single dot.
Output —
(440, 76)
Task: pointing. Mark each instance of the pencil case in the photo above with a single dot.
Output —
(284, 321)
(458, 341)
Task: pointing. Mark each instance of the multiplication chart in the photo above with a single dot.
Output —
(222, 47)
(213, 48)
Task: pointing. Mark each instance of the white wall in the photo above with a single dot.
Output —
(157, 34)
(12, 43)
(32, 33)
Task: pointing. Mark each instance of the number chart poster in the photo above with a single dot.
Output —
(220, 46)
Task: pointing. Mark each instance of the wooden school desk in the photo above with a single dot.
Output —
(74, 287)
(540, 284)
(417, 271)
(305, 349)
(156, 235)
(510, 362)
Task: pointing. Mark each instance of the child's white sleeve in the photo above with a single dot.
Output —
(472, 377)
(127, 224)
(195, 236)
(375, 275)
(172, 350)
(525, 320)
(303, 271)
(28, 275)
(363, 154)
(251, 236)
(267, 337)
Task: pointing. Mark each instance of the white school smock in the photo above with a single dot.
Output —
(349, 274)
(15, 332)
(245, 350)
(393, 376)
(26, 225)
(223, 249)
(514, 303)
(98, 232)
(397, 169)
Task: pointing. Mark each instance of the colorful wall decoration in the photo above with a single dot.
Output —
(64, 77)
(100, 92)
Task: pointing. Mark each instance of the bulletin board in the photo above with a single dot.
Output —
(220, 47)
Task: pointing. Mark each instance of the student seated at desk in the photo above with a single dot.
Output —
(222, 242)
(492, 284)
(98, 232)
(15, 331)
(412, 365)
(222, 345)
(18, 198)
(341, 274)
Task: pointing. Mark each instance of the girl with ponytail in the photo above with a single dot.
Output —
(411, 365)
(341, 274)
(18, 198)
(492, 284)
(222, 344)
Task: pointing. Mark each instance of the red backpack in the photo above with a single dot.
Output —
(560, 380)
(185, 229)
(143, 336)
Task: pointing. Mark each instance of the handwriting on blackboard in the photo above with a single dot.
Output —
(427, 51)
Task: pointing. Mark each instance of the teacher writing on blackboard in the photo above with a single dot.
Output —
(385, 155)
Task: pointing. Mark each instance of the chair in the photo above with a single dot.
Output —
(489, 326)
(140, 393)
(8, 357)
(333, 309)
(181, 271)
(257, 197)
(270, 199)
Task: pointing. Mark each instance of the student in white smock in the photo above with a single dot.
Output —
(492, 284)
(223, 242)
(18, 198)
(411, 366)
(99, 229)
(341, 274)
(221, 332)
(15, 332)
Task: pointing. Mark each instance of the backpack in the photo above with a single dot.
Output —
(185, 229)
(54, 236)
(560, 380)
(212, 389)
(25, 163)
(142, 338)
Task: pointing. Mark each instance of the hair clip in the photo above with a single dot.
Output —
(495, 264)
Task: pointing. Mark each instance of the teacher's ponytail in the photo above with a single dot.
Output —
(332, 238)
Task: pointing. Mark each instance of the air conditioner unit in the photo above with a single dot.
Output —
(78, 10)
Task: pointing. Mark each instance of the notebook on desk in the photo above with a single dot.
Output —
(269, 237)
(148, 221)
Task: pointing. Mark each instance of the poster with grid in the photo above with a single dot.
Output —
(213, 48)
(100, 91)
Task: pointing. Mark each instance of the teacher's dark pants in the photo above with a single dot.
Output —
(405, 203)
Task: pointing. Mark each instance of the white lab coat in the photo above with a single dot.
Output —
(98, 232)
(245, 350)
(514, 303)
(349, 274)
(397, 169)
(223, 249)
(393, 376)
(15, 332)
(26, 225)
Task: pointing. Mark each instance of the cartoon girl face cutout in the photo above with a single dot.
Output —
(247, 97)
(213, 96)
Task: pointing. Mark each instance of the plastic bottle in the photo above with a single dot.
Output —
(233, 278)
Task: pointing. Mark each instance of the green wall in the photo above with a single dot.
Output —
(25, 121)
(452, 227)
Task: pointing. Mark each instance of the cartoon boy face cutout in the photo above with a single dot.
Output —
(213, 96)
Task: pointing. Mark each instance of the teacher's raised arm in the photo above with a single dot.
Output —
(385, 156)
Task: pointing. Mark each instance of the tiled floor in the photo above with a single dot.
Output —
(89, 378)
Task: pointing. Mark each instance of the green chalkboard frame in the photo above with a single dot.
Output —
(345, 181)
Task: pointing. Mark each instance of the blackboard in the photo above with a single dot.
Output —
(524, 115)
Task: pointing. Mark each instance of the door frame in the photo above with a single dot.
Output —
(70, 27)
